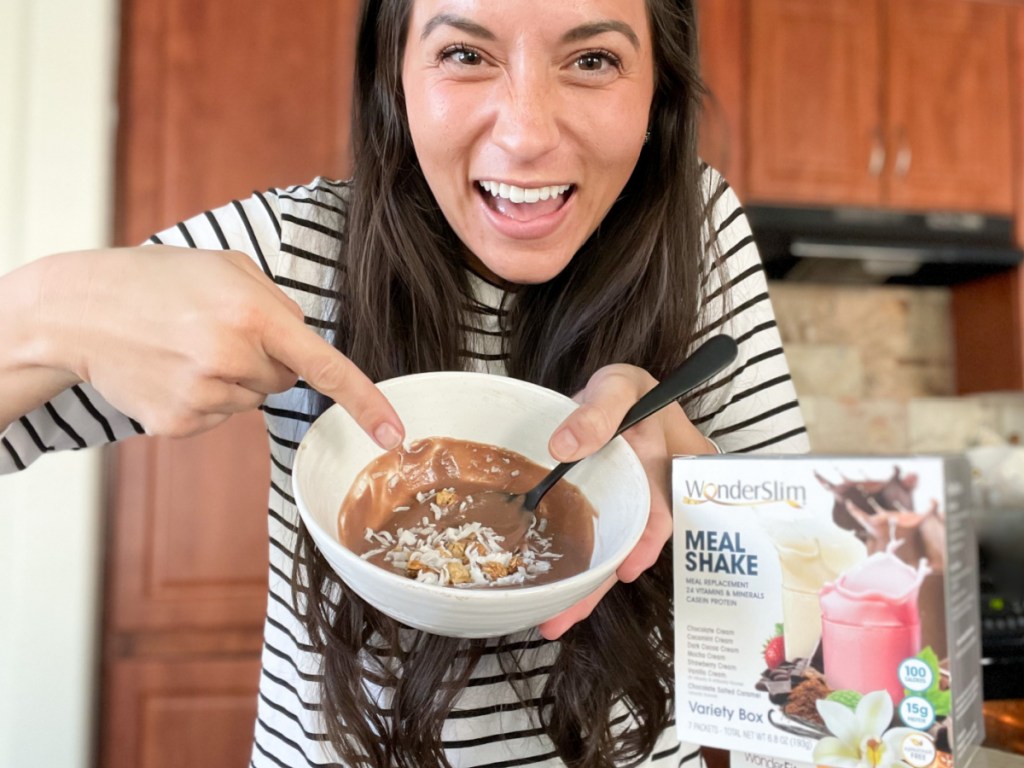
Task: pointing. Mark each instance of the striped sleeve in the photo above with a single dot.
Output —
(79, 417)
(751, 407)
(252, 226)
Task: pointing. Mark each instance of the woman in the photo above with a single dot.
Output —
(527, 200)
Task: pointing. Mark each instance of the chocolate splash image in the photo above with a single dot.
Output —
(893, 494)
(412, 510)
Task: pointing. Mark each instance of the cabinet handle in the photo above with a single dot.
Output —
(903, 156)
(876, 163)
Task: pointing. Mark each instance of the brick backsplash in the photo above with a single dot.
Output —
(860, 356)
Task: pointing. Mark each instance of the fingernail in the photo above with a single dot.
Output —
(564, 445)
(387, 436)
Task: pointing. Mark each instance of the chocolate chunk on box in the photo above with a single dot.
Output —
(826, 605)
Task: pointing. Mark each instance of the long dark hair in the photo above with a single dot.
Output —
(631, 295)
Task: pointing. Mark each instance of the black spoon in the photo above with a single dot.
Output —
(707, 360)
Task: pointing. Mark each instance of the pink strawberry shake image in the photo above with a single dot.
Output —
(870, 623)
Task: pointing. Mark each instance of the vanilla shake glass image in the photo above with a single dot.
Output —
(811, 553)
(871, 623)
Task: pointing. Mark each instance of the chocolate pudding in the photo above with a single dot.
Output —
(429, 512)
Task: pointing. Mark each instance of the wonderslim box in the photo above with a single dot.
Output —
(827, 606)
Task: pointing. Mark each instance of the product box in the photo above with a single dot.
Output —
(753, 760)
(827, 609)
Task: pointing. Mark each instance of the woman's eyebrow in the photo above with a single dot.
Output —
(574, 35)
(586, 31)
(459, 22)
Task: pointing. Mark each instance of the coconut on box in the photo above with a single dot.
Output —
(826, 606)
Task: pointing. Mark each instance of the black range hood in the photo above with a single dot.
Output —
(869, 245)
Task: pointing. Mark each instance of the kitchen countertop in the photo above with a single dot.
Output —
(986, 757)
(994, 758)
(1004, 725)
(1003, 746)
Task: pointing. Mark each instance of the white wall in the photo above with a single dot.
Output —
(57, 117)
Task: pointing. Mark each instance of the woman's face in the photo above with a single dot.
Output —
(528, 117)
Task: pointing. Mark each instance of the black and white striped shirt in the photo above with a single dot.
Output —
(290, 233)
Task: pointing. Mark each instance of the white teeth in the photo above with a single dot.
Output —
(521, 194)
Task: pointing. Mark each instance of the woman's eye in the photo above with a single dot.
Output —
(590, 62)
(460, 54)
(596, 61)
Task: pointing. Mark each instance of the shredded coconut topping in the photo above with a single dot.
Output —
(468, 555)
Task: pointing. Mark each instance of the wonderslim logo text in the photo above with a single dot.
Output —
(739, 493)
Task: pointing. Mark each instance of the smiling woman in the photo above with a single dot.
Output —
(527, 133)
(506, 214)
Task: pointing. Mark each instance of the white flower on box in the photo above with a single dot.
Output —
(859, 737)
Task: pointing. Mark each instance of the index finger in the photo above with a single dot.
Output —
(329, 372)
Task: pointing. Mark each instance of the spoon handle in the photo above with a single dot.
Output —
(707, 360)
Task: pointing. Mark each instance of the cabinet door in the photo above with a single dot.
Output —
(949, 105)
(216, 99)
(723, 67)
(170, 713)
(988, 314)
(815, 124)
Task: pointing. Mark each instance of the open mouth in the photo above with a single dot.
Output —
(524, 203)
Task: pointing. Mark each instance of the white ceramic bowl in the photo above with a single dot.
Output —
(488, 409)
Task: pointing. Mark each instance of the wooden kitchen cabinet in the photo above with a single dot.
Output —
(988, 333)
(173, 713)
(988, 314)
(815, 131)
(899, 103)
(215, 100)
(948, 105)
(722, 30)
(800, 86)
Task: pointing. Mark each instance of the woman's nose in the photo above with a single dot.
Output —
(527, 122)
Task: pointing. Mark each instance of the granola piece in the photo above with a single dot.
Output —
(458, 573)
(476, 549)
(493, 570)
(445, 498)
(415, 567)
